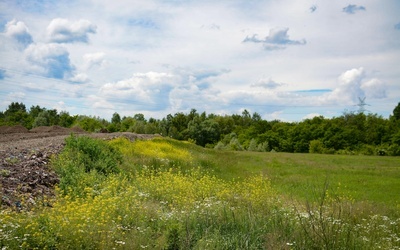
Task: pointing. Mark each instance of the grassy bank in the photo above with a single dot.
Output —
(165, 194)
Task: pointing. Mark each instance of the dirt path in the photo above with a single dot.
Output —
(25, 175)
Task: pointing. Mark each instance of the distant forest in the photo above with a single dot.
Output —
(350, 133)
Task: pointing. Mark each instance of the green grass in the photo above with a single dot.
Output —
(370, 179)
(166, 194)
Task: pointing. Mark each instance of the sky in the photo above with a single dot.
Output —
(284, 59)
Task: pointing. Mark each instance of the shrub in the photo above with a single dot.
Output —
(84, 162)
(220, 146)
(93, 154)
(252, 145)
(316, 147)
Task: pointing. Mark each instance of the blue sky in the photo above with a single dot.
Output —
(286, 60)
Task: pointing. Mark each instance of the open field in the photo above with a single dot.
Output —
(166, 194)
(370, 179)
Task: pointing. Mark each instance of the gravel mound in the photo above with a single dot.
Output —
(47, 129)
(13, 129)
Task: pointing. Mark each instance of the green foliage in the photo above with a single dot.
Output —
(90, 124)
(65, 120)
(252, 145)
(396, 112)
(116, 118)
(317, 147)
(84, 160)
(42, 119)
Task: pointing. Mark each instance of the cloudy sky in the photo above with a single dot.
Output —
(286, 60)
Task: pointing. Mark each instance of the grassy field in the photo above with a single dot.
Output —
(166, 194)
(370, 179)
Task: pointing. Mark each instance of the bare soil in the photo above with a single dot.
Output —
(26, 176)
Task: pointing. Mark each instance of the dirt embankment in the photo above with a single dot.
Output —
(25, 175)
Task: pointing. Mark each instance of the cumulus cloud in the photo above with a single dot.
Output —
(276, 39)
(374, 88)
(64, 31)
(150, 89)
(352, 9)
(94, 59)
(52, 59)
(353, 85)
(267, 83)
(18, 31)
(349, 89)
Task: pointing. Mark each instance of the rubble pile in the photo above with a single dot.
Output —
(26, 177)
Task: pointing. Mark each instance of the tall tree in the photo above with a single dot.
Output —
(396, 112)
(116, 118)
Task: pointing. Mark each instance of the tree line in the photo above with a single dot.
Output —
(350, 133)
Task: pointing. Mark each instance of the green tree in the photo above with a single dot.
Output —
(396, 112)
(204, 132)
(15, 107)
(34, 111)
(116, 118)
(65, 119)
(16, 114)
(54, 118)
(139, 117)
(43, 119)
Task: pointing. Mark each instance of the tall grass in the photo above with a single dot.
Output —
(169, 195)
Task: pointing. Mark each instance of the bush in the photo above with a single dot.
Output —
(367, 150)
(316, 147)
(220, 146)
(84, 162)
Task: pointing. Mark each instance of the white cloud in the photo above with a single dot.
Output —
(353, 85)
(94, 59)
(31, 87)
(16, 96)
(51, 59)
(374, 88)
(64, 31)
(277, 39)
(97, 102)
(351, 77)
(267, 83)
(19, 31)
(60, 106)
(79, 78)
(149, 89)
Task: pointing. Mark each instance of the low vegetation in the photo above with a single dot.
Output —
(167, 194)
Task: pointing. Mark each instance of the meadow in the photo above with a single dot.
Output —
(168, 194)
